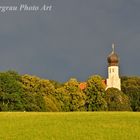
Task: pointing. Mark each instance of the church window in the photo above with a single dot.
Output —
(112, 70)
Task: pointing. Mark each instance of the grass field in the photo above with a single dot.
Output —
(70, 126)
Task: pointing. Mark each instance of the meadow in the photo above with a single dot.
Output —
(70, 126)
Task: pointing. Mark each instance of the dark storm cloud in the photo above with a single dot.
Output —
(73, 40)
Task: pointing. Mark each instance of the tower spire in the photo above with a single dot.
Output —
(113, 47)
(113, 70)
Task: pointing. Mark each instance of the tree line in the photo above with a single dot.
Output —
(31, 93)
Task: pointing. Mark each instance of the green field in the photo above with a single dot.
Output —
(70, 126)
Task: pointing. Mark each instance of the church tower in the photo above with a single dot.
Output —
(113, 70)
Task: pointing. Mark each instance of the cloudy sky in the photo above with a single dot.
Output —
(72, 40)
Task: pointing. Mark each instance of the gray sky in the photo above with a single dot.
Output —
(72, 40)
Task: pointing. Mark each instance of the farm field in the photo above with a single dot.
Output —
(70, 126)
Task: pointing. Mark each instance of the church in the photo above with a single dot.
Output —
(113, 79)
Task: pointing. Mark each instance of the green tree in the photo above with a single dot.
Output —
(33, 102)
(117, 100)
(52, 104)
(95, 93)
(10, 91)
(43, 89)
(71, 97)
(131, 87)
(56, 84)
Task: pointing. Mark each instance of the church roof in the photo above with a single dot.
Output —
(113, 59)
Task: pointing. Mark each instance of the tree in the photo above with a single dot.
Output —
(95, 92)
(71, 97)
(35, 89)
(33, 102)
(117, 100)
(131, 87)
(10, 91)
(52, 105)
(56, 84)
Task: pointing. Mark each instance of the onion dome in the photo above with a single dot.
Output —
(113, 59)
